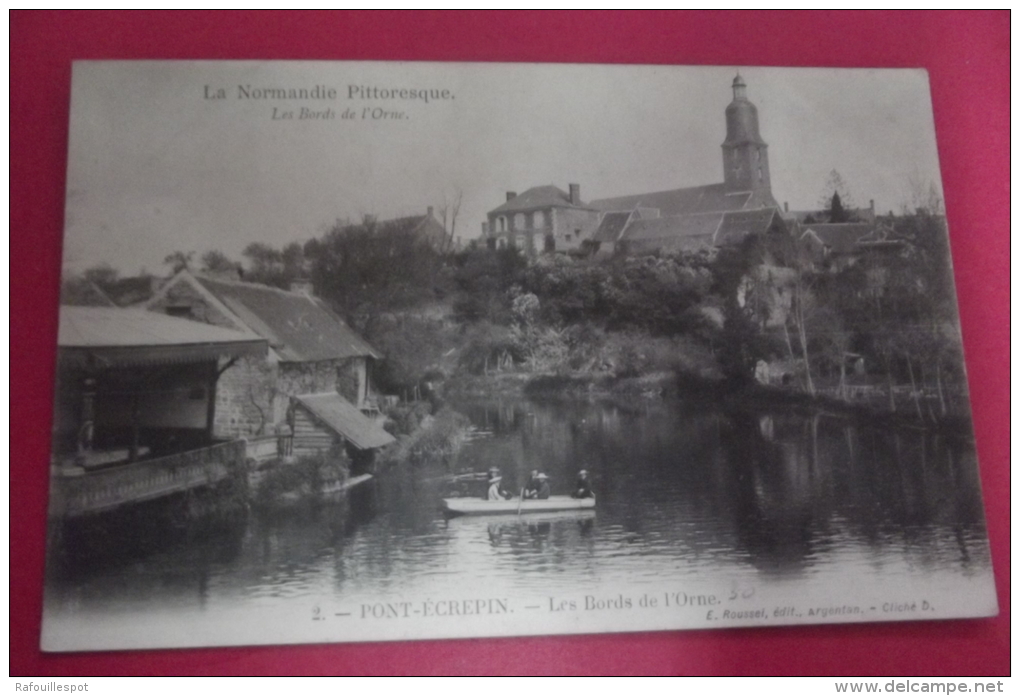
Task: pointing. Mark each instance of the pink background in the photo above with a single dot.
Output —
(967, 56)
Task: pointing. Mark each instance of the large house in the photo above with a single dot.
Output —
(545, 218)
(315, 381)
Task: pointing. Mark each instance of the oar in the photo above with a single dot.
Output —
(519, 501)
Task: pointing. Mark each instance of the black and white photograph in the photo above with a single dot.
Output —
(364, 351)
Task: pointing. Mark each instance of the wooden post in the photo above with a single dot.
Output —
(135, 430)
(88, 415)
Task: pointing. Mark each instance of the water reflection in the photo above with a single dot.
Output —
(684, 491)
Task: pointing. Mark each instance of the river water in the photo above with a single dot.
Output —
(765, 516)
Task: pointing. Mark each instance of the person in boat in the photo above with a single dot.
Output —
(532, 486)
(495, 488)
(542, 492)
(582, 489)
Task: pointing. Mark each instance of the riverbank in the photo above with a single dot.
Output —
(671, 385)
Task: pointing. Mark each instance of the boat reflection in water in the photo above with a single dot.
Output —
(686, 493)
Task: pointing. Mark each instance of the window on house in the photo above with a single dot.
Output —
(519, 241)
(761, 176)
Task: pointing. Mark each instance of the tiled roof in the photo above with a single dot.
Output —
(692, 232)
(341, 416)
(298, 327)
(739, 224)
(666, 228)
(841, 238)
(611, 226)
(537, 198)
(135, 336)
(685, 201)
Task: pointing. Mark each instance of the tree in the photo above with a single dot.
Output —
(449, 212)
(369, 268)
(835, 192)
(836, 211)
(215, 261)
(179, 260)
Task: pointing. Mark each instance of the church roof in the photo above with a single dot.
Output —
(537, 198)
(841, 238)
(738, 225)
(691, 232)
(684, 201)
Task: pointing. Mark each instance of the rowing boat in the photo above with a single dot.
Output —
(477, 506)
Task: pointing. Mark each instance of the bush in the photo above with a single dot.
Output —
(309, 476)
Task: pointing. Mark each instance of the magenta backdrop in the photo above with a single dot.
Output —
(967, 56)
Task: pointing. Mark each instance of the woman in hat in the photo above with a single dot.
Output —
(495, 487)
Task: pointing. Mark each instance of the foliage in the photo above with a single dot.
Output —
(179, 260)
(215, 261)
(483, 278)
(367, 269)
(307, 477)
(414, 346)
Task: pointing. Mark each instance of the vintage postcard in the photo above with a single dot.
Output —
(391, 351)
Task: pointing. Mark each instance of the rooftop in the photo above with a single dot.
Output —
(537, 198)
(684, 201)
(120, 336)
(299, 327)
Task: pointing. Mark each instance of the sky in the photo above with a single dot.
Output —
(157, 165)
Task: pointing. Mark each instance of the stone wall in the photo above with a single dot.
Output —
(245, 396)
(572, 226)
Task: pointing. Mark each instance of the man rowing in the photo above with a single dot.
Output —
(582, 489)
(531, 487)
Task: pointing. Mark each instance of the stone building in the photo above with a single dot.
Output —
(312, 352)
(672, 220)
(542, 219)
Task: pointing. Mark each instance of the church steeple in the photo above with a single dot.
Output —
(745, 154)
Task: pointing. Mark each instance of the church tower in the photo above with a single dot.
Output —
(745, 154)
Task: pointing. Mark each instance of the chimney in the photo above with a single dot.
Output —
(786, 206)
(575, 194)
(510, 195)
(429, 210)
